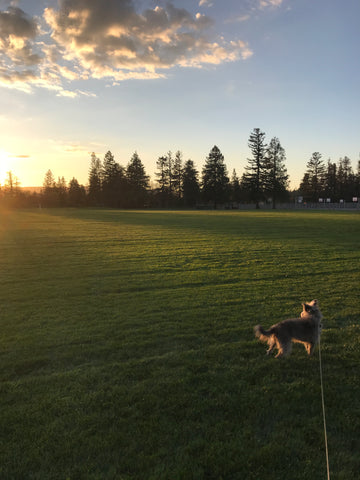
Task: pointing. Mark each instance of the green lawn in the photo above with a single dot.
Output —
(127, 347)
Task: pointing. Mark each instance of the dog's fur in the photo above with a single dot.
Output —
(306, 330)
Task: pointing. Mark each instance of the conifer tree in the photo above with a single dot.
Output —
(215, 180)
(305, 187)
(275, 178)
(76, 193)
(49, 193)
(177, 172)
(138, 182)
(253, 178)
(113, 182)
(162, 179)
(316, 171)
(61, 191)
(95, 180)
(190, 184)
(330, 181)
(345, 179)
(235, 187)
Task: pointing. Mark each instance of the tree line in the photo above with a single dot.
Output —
(178, 183)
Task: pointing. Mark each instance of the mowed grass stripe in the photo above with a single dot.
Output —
(127, 348)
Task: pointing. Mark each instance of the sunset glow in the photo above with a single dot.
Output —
(6, 165)
(80, 77)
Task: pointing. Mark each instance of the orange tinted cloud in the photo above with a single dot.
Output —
(93, 38)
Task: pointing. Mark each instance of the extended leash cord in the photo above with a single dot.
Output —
(323, 409)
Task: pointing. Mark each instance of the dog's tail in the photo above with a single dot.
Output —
(260, 332)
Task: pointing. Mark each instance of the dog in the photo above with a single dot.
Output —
(306, 330)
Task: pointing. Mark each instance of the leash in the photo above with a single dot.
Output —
(323, 409)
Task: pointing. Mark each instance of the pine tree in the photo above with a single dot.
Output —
(305, 187)
(162, 179)
(177, 175)
(49, 193)
(330, 181)
(76, 193)
(275, 178)
(236, 192)
(138, 182)
(169, 170)
(357, 181)
(215, 180)
(49, 181)
(113, 182)
(346, 179)
(190, 184)
(61, 191)
(316, 171)
(95, 180)
(253, 177)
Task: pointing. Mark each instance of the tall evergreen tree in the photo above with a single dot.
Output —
(276, 178)
(190, 184)
(138, 182)
(346, 179)
(95, 180)
(235, 187)
(49, 192)
(357, 181)
(110, 169)
(49, 181)
(316, 171)
(215, 180)
(253, 178)
(305, 187)
(113, 182)
(162, 179)
(76, 193)
(169, 169)
(330, 181)
(61, 191)
(177, 175)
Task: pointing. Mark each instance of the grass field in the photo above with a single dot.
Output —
(127, 347)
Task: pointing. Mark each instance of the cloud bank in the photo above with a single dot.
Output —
(17, 55)
(84, 39)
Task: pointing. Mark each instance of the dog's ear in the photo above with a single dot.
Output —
(307, 307)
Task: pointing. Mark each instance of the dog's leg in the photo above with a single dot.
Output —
(280, 347)
(284, 346)
(310, 348)
(270, 349)
(271, 344)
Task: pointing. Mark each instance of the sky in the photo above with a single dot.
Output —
(83, 76)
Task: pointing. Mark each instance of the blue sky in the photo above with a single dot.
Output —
(78, 76)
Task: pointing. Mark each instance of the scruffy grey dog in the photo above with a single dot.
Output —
(305, 330)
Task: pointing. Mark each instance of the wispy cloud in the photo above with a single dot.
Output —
(270, 3)
(253, 9)
(238, 19)
(84, 39)
(207, 3)
(73, 147)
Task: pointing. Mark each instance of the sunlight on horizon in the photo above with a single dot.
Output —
(6, 165)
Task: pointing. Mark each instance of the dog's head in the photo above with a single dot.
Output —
(311, 309)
